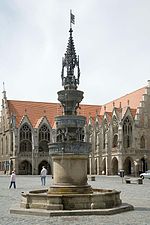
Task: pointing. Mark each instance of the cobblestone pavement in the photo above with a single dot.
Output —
(135, 194)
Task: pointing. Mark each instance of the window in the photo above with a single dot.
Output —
(25, 138)
(115, 141)
(115, 132)
(127, 133)
(44, 138)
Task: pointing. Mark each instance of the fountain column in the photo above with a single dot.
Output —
(70, 152)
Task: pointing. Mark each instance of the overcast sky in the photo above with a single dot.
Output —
(112, 38)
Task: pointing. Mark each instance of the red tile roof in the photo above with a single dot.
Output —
(36, 110)
(132, 100)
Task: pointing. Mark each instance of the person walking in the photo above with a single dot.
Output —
(12, 180)
(43, 175)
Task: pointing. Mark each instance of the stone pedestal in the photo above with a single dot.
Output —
(70, 174)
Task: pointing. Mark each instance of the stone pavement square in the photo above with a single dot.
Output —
(136, 194)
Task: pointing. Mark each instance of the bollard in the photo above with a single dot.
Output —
(140, 181)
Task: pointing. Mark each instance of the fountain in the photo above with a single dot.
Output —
(70, 193)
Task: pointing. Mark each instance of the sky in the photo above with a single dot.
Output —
(112, 39)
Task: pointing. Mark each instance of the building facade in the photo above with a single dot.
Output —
(119, 132)
(120, 135)
(26, 128)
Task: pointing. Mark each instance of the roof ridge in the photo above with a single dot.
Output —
(51, 102)
(32, 101)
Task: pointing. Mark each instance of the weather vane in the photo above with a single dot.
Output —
(72, 18)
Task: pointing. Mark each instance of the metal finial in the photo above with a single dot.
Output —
(70, 61)
(3, 86)
(4, 92)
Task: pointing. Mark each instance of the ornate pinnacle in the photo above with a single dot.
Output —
(70, 61)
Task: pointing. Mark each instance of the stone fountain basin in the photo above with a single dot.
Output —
(99, 199)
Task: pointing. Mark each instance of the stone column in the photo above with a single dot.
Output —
(107, 157)
(107, 173)
(35, 168)
(90, 164)
(120, 148)
(120, 162)
(70, 174)
(15, 164)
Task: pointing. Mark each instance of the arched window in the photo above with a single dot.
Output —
(127, 133)
(44, 138)
(25, 138)
(115, 132)
(115, 141)
(142, 142)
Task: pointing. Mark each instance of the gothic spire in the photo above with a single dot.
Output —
(4, 99)
(4, 92)
(70, 61)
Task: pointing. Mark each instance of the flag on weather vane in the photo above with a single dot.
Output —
(72, 17)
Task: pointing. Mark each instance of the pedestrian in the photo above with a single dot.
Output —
(43, 175)
(12, 180)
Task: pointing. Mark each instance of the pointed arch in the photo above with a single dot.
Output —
(25, 168)
(127, 132)
(44, 138)
(46, 165)
(114, 165)
(115, 131)
(128, 166)
(25, 120)
(25, 136)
